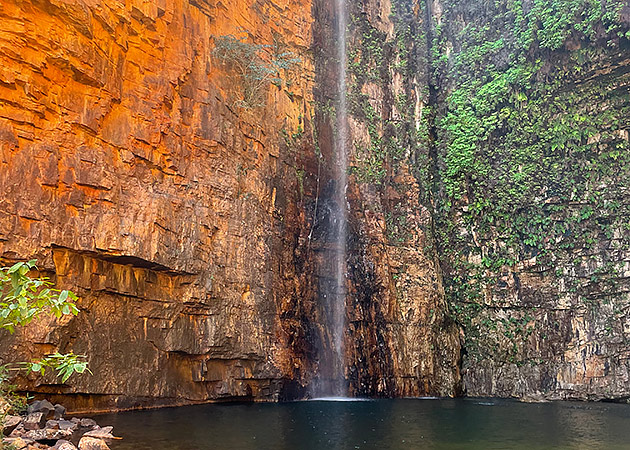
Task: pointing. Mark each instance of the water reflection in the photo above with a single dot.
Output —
(381, 424)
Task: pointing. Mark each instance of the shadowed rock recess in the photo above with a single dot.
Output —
(489, 198)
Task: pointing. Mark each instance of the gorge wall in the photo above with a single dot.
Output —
(532, 200)
(488, 248)
(402, 342)
(130, 171)
(190, 218)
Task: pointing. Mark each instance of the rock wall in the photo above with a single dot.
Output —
(191, 229)
(532, 156)
(399, 341)
(488, 195)
(130, 171)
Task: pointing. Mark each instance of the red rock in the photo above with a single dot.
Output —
(9, 423)
(34, 421)
(127, 173)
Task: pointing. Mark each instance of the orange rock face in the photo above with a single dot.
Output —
(126, 171)
(132, 170)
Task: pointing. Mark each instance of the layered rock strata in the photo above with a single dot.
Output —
(130, 170)
(190, 208)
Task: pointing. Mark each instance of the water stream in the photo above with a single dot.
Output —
(339, 314)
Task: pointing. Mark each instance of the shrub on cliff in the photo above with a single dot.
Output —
(255, 66)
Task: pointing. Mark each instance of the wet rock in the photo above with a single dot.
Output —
(11, 423)
(534, 397)
(101, 433)
(90, 443)
(34, 421)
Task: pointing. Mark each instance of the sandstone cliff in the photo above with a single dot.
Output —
(129, 173)
(533, 205)
(488, 196)
(193, 228)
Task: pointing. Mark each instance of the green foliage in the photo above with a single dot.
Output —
(12, 402)
(22, 300)
(255, 66)
(394, 134)
(532, 150)
(64, 364)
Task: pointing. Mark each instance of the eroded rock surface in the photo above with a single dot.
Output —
(488, 222)
(400, 341)
(533, 161)
(128, 172)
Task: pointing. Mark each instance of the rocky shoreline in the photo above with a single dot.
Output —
(45, 427)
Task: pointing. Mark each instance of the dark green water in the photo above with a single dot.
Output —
(379, 424)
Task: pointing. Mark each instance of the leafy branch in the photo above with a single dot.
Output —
(22, 300)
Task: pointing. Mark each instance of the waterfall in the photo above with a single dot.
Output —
(341, 187)
(332, 380)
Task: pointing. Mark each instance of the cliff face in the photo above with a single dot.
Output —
(186, 195)
(401, 341)
(192, 222)
(533, 198)
(130, 171)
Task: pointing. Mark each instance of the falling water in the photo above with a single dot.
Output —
(339, 307)
(331, 380)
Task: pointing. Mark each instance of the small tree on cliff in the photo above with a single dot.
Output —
(23, 299)
(255, 66)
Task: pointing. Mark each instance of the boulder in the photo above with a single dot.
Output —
(43, 406)
(101, 433)
(48, 434)
(53, 424)
(68, 425)
(10, 423)
(60, 411)
(34, 421)
(88, 423)
(64, 445)
(36, 435)
(18, 443)
(535, 397)
(90, 443)
(18, 431)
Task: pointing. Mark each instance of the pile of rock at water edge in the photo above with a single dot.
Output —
(44, 427)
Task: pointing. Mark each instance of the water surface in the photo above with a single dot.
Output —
(380, 424)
